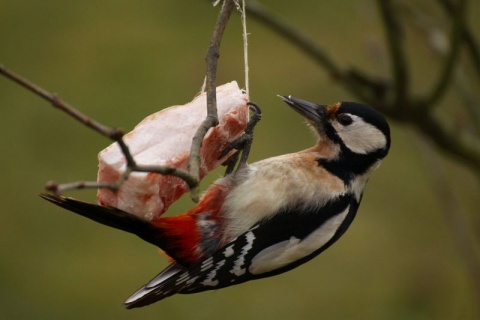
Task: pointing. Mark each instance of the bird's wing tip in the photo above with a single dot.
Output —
(151, 291)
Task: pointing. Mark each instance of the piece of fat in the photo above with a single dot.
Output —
(165, 138)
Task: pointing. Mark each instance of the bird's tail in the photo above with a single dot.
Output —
(175, 235)
(111, 217)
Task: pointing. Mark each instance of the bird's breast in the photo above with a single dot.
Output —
(273, 184)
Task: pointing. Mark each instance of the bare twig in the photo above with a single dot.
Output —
(211, 120)
(451, 57)
(296, 37)
(62, 105)
(404, 107)
(456, 218)
(396, 46)
(434, 36)
(112, 133)
(461, 145)
(192, 178)
(472, 46)
(356, 85)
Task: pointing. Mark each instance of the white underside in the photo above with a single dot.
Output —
(286, 252)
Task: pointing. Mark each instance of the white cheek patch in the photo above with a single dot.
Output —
(289, 251)
(361, 137)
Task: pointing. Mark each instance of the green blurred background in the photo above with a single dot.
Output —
(119, 61)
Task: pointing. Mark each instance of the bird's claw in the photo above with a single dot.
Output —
(242, 143)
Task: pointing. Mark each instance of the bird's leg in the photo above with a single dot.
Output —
(242, 143)
(230, 162)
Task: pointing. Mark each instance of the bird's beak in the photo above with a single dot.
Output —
(315, 113)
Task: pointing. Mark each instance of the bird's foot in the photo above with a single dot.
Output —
(243, 143)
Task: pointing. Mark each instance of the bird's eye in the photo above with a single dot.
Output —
(344, 119)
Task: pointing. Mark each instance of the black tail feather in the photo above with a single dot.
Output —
(109, 216)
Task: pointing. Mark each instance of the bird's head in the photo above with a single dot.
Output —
(359, 132)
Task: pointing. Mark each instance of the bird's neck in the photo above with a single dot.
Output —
(350, 167)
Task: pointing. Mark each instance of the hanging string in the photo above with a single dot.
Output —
(245, 47)
(240, 7)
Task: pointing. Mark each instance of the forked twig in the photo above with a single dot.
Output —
(211, 120)
(396, 46)
(456, 40)
(191, 178)
(359, 86)
(456, 218)
(405, 107)
(111, 133)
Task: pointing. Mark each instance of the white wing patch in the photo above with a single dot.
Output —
(238, 268)
(209, 281)
(206, 264)
(286, 252)
(228, 251)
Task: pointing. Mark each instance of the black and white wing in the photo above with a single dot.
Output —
(271, 247)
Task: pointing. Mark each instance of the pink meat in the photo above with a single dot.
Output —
(164, 138)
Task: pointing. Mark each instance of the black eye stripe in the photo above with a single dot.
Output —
(344, 119)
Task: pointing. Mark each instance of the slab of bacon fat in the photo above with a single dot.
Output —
(164, 138)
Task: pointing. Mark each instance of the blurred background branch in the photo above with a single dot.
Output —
(192, 177)
(401, 104)
(114, 134)
(394, 96)
(124, 60)
(455, 218)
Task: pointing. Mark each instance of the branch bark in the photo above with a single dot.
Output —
(192, 177)
(111, 133)
(211, 120)
(395, 43)
(404, 107)
(471, 44)
(451, 58)
(455, 217)
(358, 86)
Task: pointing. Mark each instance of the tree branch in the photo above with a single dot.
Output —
(112, 133)
(456, 219)
(451, 57)
(358, 86)
(211, 120)
(403, 107)
(395, 44)
(461, 81)
(461, 145)
(192, 178)
(467, 35)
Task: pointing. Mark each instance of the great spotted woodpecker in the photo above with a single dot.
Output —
(267, 217)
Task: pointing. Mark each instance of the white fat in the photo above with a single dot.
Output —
(286, 252)
(164, 138)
